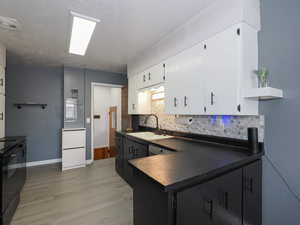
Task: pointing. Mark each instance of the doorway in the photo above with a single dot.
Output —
(105, 119)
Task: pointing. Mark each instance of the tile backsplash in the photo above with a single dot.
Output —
(225, 126)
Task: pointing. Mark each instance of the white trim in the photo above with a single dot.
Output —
(73, 167)
(93, 84)
(44, 162)
(88, 162)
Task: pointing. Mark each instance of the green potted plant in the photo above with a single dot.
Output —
(262, 76)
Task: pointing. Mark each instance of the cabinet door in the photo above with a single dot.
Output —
(2, 116)
(144, 102)
(144, 79)
(157, 74)
(132, 95)
(216, 202)
(221, 69)
(2, 80)
(128, 154)
(184, 82)
(2, 56)
(228, 198)
(192, 74)
(252, 204)
(140, 150)
(172, 85)
(119, 156)
(196, 205)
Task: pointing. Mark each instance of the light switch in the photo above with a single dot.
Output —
(88, 120)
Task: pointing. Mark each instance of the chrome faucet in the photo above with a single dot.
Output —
(156, 117)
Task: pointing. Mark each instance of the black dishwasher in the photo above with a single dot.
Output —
(13, 176)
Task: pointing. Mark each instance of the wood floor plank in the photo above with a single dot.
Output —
(94, 195)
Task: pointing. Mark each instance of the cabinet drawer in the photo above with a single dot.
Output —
(73, 158)
(73, 139)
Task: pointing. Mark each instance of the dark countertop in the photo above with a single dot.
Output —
(193, 162)
(8, 143)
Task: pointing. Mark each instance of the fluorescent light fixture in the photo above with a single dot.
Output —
(82, 30)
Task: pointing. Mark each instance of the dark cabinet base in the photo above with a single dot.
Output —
(233, 198)
(151, 205)
(128, 149)
(9, 212)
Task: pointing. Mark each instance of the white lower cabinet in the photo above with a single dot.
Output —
(73, 158)
(73, 148)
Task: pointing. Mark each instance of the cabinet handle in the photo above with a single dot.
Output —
(208, 208)
(212, 98)
(1, 116)
(133, 106)
(144, 78)
(1, 82)
(164, 76)
(249, 184)
(226, 200)
(149, 76)
(185, 101)
(175, 102)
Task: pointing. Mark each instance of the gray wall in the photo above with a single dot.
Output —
(83, 79)
(74, 79)
(279, 50)
(42, 127)
(41, 84)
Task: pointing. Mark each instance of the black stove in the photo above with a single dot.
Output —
(13, 175)
(7, 143)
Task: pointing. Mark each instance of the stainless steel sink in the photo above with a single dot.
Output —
(149, 136)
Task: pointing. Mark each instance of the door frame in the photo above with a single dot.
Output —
(93, 85)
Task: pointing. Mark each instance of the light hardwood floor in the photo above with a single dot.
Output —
(94, 195)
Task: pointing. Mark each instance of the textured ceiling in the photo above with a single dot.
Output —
(127, 28)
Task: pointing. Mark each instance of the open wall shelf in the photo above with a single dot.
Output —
(20, 105)
(267, 93)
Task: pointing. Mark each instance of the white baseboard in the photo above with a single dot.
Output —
(44, 162)
(88, 162)
(50, 161)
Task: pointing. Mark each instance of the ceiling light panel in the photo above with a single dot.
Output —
(82, 30)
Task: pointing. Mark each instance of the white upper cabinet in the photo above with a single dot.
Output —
(184, 82)
(2, 56)
(152, 76)
(139, 102)
(209, 78)
(2, 80)
(230, 60)
(222, 72)
(132, 95)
